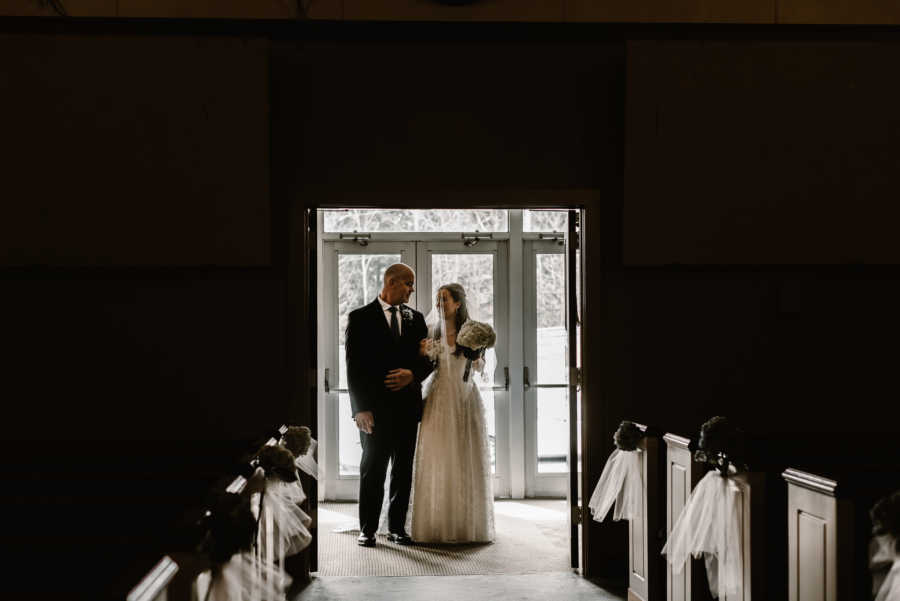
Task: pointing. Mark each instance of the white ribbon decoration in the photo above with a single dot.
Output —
(241, 578)
(307, 463)
(710, 526)
(621, 483)
(885, 554)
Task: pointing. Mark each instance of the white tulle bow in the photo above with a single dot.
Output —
(621, 483)
(710, 526)
(885, 554)
(244, 577)
(284, 526)
(307, 463)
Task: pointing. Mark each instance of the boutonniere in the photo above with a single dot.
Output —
(406, 313)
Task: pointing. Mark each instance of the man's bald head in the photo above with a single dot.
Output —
(399, 284)
(398, 271)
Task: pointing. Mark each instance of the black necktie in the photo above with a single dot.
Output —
(395, 327)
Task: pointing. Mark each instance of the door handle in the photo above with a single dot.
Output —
(327, 385)
(505, 386)
(529, 385)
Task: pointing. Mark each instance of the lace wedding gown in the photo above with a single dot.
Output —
(452, 498)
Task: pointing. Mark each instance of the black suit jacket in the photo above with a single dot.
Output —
(372, 352)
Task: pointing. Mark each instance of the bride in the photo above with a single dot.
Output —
(453, 501)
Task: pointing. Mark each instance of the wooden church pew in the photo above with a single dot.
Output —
(297, 566)
(155, 585)
(820, 533)
(753, 523)
(172, 578)
(645, 535)
(682, 474)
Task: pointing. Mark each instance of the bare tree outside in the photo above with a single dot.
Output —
(544, 221)
(417, 220)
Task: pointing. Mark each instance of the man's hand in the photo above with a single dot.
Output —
(365, 421)
(398, 379)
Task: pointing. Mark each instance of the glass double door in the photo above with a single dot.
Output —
(356, 279)
(529, 451)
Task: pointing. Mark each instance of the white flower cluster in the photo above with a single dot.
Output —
(476, 335)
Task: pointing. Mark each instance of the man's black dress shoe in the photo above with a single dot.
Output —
(400, 538)
(364, 540)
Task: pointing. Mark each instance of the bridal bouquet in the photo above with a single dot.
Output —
(473, 339)
(476, 336)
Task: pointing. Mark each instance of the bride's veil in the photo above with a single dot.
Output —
(437, 347)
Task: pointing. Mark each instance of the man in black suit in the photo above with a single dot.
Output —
(385, 370)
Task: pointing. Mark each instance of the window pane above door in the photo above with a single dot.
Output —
(416, 220)
(545, 221)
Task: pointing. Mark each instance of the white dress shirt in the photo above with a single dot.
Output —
(387, 314)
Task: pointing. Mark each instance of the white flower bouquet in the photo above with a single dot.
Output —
(476, 335)
(473, 339)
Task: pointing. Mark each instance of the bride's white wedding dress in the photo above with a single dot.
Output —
(452, 498)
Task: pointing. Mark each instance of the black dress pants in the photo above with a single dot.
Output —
(392, 441)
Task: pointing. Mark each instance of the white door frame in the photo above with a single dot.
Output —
(510, 277)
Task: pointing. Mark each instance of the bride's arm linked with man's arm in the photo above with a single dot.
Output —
(363, 385)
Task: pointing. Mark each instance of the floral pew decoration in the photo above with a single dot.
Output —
(299, 441)
(621, 482)
(235, 573)
(710, 524)
(884, 549)
(284, 526)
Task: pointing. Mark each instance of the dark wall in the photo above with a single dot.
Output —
(135, 150)
(759, 262)
(780, 151)
(759, 275)
(143, 315)
(459, 113)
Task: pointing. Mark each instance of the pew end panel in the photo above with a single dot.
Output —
(682, 474)
(753, 526)
(647, 535)
(820, 539)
